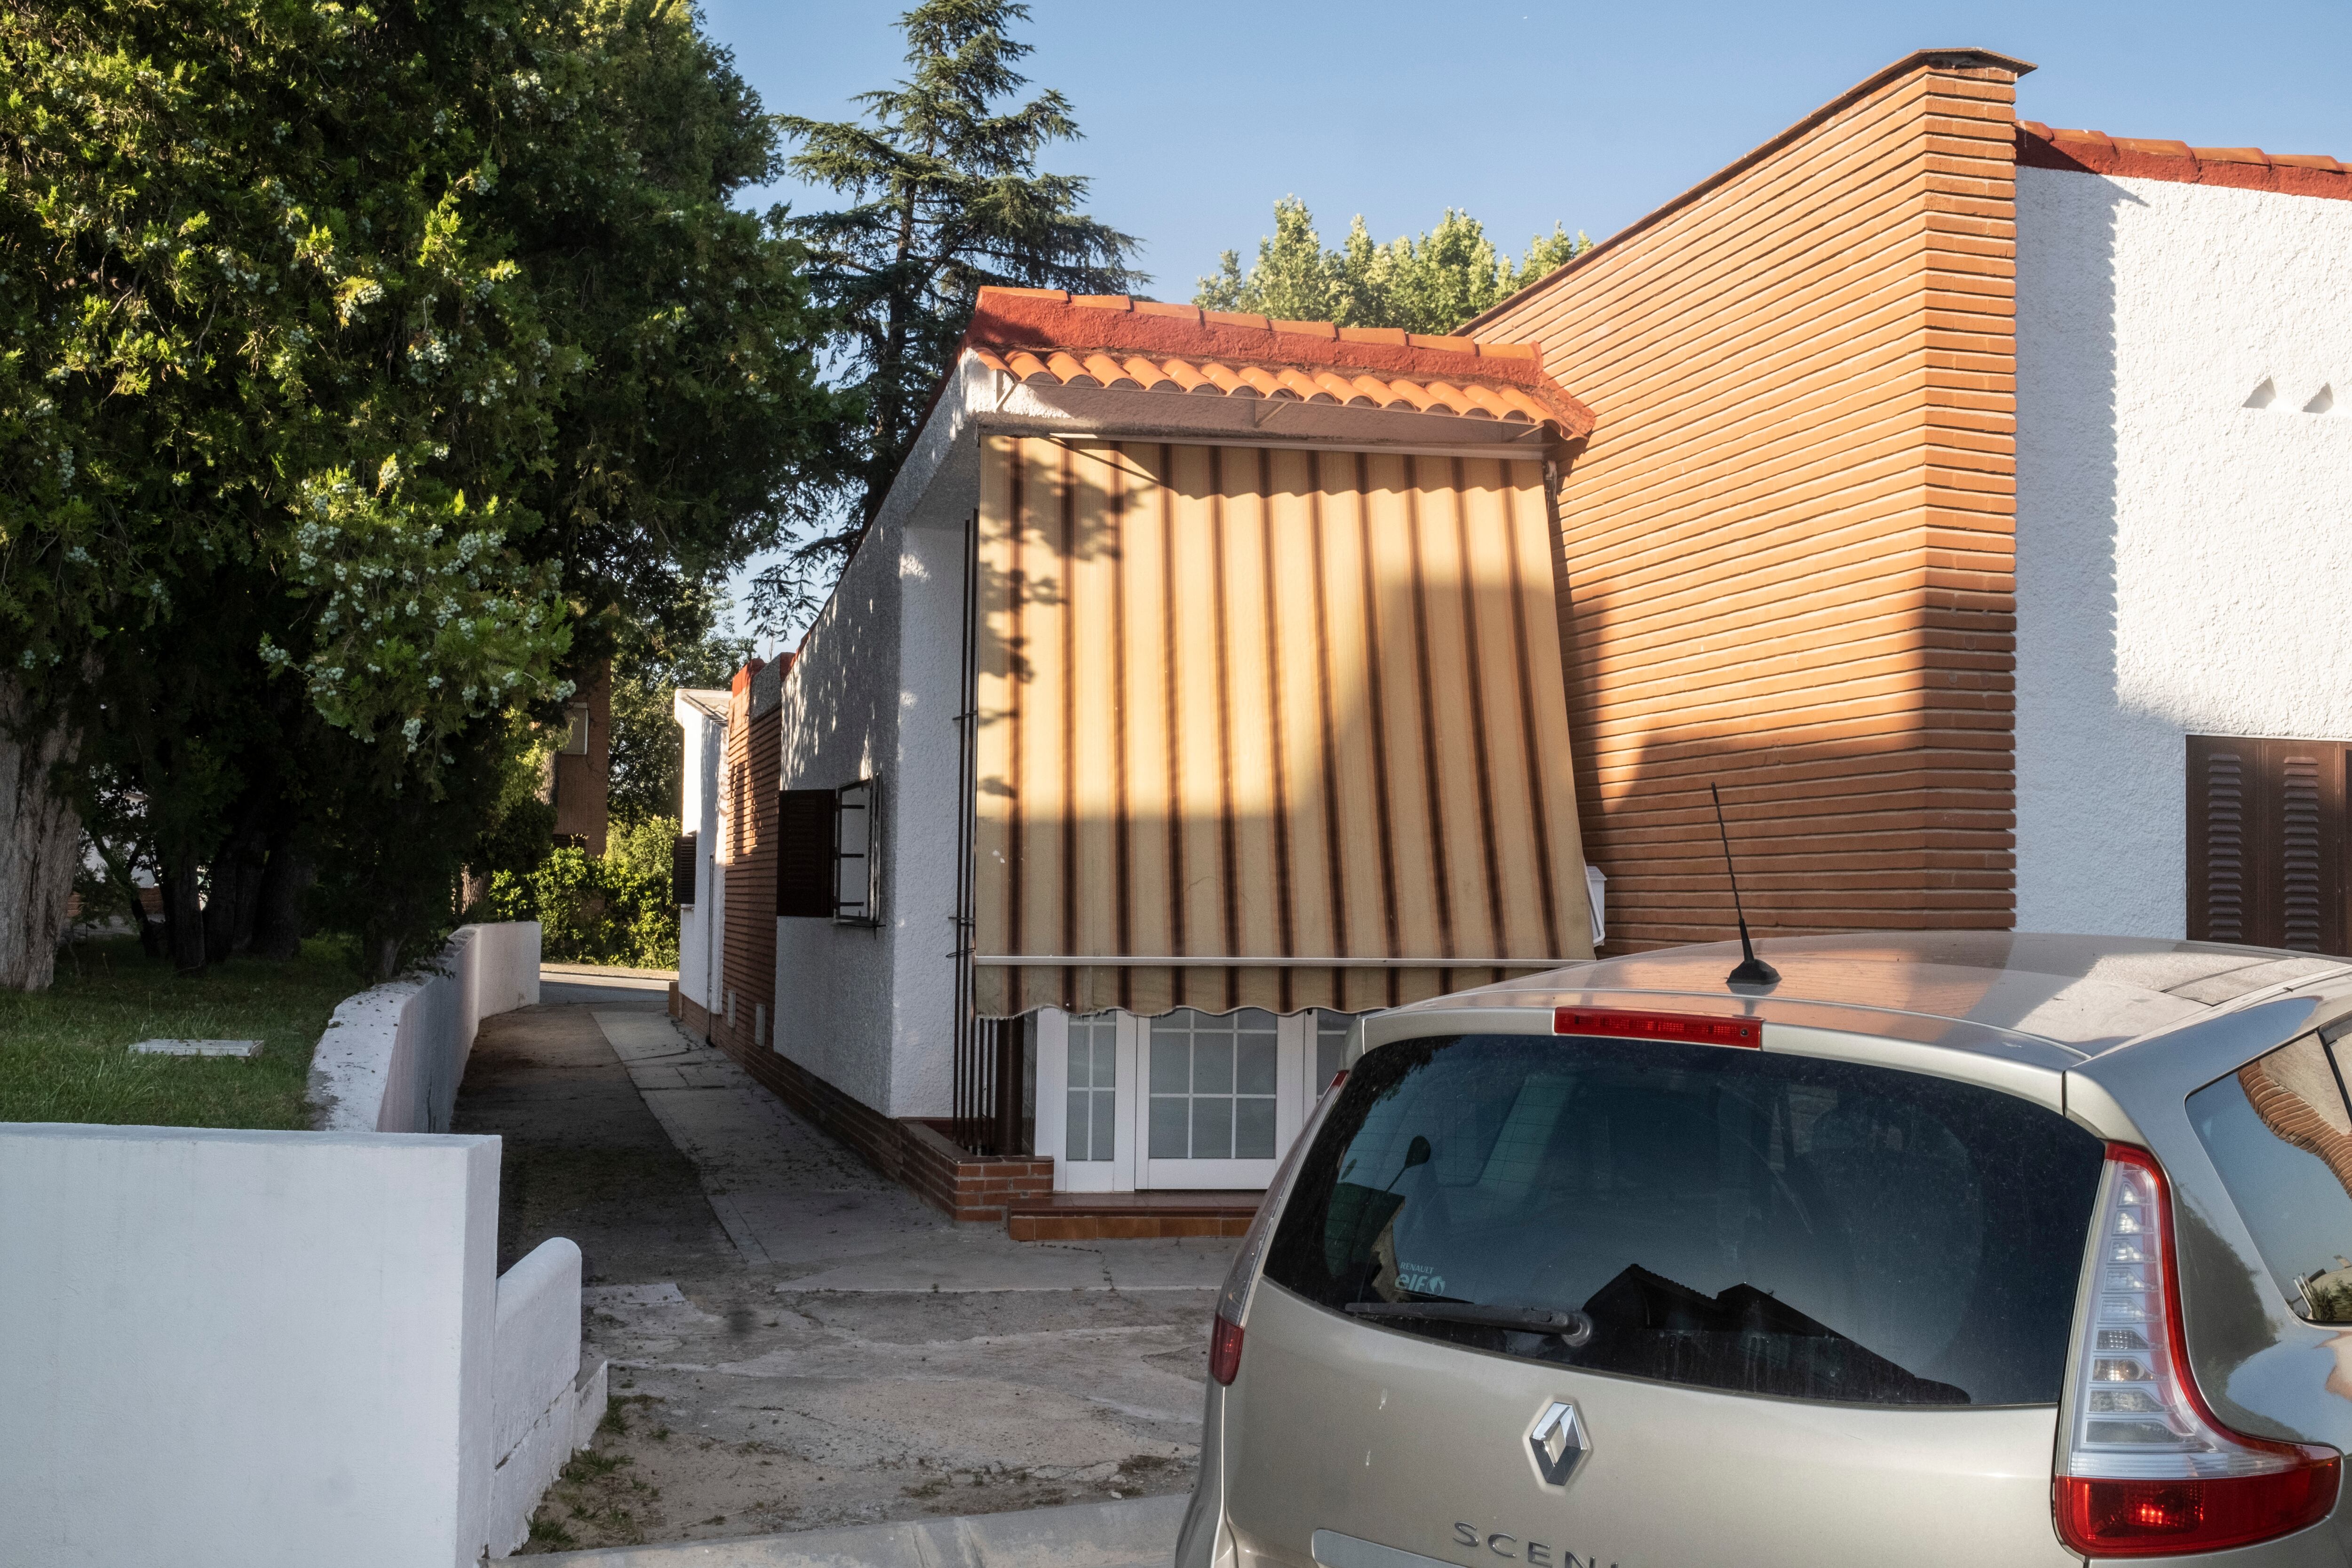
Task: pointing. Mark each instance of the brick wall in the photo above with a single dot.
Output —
(973, 1188)
(746, 856)
(1787, 549)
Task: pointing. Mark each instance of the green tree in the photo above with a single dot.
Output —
(1430, 283)
(947, 198)
(354, 364)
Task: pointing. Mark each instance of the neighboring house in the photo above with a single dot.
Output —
(701, 718)
(579, 774)
(1963, 496)
(1954, 492)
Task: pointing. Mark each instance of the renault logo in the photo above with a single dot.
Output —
(1556, 1440)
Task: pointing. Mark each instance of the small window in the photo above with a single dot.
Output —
(575, 738)
(2281, 1136)
(828, 854)
(857, 858)
(681, 870)
(804, 854)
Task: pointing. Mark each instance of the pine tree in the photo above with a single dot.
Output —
(948, 199)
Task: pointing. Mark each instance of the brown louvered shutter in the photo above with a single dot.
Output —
(2266, 842)
(804, 854)
(681, 869)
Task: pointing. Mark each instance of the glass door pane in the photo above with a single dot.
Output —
(1212, 1085)
(1093, 1087)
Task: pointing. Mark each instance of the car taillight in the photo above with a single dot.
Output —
(1224, 1350)
(2146, 1470)
(1232, 1301)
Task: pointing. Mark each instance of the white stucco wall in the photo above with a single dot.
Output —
(2178, 552)
(245, 1348)
(705, 746)
(391, 1056)
(872, 692)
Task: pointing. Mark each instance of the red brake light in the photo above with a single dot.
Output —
(1226, 1351)
(1694, 1026)
(2146, 1469)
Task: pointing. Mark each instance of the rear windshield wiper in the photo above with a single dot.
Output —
(1573, 1327)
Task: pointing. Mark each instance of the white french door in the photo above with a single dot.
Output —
(1187, 1100)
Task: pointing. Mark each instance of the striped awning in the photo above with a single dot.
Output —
(1266, 727)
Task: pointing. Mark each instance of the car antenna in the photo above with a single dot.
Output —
(1752, 970)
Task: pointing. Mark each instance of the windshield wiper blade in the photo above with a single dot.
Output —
(1573, 1327)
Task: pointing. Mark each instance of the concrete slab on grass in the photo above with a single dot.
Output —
(197, 1047)
(1131, 1533)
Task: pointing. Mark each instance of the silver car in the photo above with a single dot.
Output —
(1946, 1249)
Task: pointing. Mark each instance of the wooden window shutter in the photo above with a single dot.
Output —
(2266, 842)
(681, 869)
(804, 852)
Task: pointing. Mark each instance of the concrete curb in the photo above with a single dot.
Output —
(1135, 1532)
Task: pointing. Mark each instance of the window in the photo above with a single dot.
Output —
(681, 870)
(2281, 1136)
(2266, 842)
(1212, 1085)
(828, 860)
(1093, 1087)
(575, 738)
(804, 854)
(1772, 1225)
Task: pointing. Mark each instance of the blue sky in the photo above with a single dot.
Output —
(1198, 116)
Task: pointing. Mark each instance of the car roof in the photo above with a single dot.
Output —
(2087, 994)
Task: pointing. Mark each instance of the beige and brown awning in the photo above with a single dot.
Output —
(1242, 709)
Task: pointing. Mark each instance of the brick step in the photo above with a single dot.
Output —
(1128, 1217)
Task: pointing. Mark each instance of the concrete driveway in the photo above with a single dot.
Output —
(796, 1342)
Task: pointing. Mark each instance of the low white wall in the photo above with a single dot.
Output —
(391, 1056)
(544, 1404)
(253, 1349)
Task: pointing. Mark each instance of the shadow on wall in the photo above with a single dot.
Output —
(1235, 701)
(1856, 820)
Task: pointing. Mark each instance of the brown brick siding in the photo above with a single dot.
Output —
(746, 856)
(1789, 545)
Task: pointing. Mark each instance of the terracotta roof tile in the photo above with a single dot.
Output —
(2040, 146)
(1049, 338)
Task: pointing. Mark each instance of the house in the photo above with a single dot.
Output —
(1198, 687)
(580, 773)
(1952, 490)
(1959, 496)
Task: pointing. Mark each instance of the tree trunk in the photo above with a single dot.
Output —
(236, 889)
(184, 919)
(277, 921)
(40, 842)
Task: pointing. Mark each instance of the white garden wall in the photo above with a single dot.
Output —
(2179, 554)
(393, 1056)
(243, 1349)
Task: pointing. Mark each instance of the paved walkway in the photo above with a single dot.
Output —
(797, 1344)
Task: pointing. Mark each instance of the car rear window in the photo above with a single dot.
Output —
(1723, 1218)
(2280, 1133)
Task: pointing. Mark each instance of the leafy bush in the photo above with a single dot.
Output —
(611, 910)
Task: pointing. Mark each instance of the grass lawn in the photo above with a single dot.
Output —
(65, 1052)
